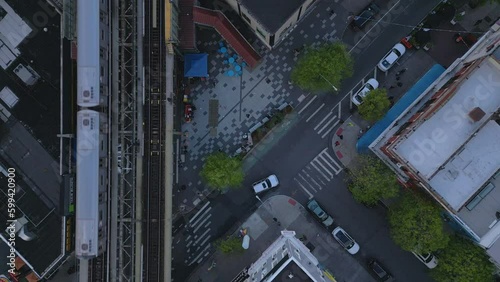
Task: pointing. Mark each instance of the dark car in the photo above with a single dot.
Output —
(365, 16)
(379, 271)
(319, 213)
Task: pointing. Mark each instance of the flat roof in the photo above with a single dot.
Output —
(286, 249)
(272, 18)
(434, 147)
(469, 169)
(8, 97)
(13, 30)
(480, 212)
(32, 162)
(42, 221)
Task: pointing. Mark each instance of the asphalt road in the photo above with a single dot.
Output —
(290, 158)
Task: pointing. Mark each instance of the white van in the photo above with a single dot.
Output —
(265, 184)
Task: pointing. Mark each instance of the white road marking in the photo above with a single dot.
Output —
(304, 188)
(319, 170)
(324, 168)
(312, 179)
(197, 220)
(308, 103)
(323, 120)
(305, 181)
(324, 153)
(315, 112)
(198, 213)
(201, 223)
(319, 179)
(329, 130)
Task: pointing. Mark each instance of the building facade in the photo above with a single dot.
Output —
(447, 142)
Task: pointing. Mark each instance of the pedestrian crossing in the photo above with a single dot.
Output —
(327, 122)
(198, 235)
(318, 173)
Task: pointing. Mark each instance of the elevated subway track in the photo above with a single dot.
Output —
(154, 136)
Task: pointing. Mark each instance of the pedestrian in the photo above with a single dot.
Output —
(332, 12)
(341, 137)
(392, 86)
(337, 143)
(400, 72)
(398, 78)
(400, 84)
(341, 121)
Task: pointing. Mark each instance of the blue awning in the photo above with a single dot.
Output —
(398, 108)
(196, 65)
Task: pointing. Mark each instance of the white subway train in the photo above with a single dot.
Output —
(92, 136)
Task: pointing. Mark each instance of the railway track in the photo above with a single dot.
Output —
(154, 110)
(98, 269)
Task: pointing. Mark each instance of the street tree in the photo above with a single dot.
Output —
(221, 171)
(416, 224)
(322, 68)
(375, 105)
(463, 261)
(230, 245)
(371, 180)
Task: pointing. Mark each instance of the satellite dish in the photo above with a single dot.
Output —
(246, 242)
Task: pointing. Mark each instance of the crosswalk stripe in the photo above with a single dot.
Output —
(324, 168)
(319, 178)
(305, 181)
(201, 223)
(328, 163)
(312, 179)
(199, 212)
(308, 103)
(329, 130)
(337, 171)
(315, 112)
(321, 172)
(323, 120)
(197, 220)
(304, 188)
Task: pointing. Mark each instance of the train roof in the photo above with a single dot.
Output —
(88, 32)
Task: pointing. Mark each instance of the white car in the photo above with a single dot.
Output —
(428, 259)
(345, 240)
(370, 85)
(265, 184)
(390, 59)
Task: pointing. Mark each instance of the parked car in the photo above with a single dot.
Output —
(345, 240)
(265, 184)
(319, 213)
(379, 271)
(370, 85)
(366, 15)
(427, 258)
(390, 58)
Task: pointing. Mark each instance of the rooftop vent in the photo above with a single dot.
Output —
(476, 114)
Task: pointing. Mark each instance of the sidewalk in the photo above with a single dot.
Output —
(264, 226)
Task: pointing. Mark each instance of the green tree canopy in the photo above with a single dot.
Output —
(372, 180)
(320, 68)
(221, 171)
(230, 245)
(462, 261)
(375, 105)
(416, 224)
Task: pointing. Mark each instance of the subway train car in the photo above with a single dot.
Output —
(91, 195)
(88, 70)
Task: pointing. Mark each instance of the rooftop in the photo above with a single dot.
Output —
(280, 254)
(39, 233)
(454, 152)
(272, 18)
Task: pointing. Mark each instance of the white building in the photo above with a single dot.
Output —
(448, 142)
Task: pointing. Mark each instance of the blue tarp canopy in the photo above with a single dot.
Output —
(398, 108)
(196, 65)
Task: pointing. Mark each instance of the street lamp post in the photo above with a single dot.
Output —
(333, 86)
